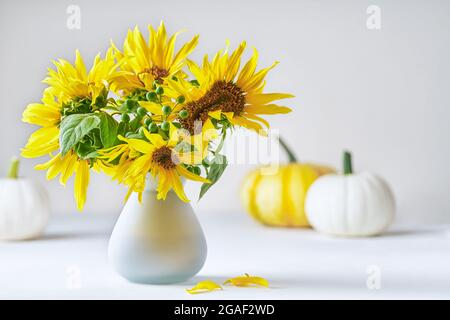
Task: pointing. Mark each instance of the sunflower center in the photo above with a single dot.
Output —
(163, 157)
(159, 73)
(225, 96)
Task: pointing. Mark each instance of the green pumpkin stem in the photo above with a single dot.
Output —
(348, 163)
(13, 172)
(291, 156)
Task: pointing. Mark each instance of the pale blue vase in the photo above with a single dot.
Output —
(157, 242)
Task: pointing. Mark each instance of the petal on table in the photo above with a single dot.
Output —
(204, 286)
(248, 281)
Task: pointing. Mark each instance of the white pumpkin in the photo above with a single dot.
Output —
(351, 204)
(24, 207)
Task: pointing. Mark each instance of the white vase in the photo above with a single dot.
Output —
(156, 241)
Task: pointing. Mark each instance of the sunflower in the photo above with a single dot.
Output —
(144, 62)
(158, 157)
(72, 82)
(71, 89)
(225, 90)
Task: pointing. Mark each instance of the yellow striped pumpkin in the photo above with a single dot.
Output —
(278, 199)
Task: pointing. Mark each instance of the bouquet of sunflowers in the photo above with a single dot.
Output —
(147, 109)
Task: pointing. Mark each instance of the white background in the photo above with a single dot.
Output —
(384, 94)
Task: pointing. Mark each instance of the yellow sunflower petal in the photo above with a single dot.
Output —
(54, 167)
(69, 165)
(129, 192)
(41, 142)
(264, 98)
(195, 69)
(152, 107)
(204, 286)
(191, 176)
(125, 80)
(164, 185)
(229, 115)
(248, 70)
(256, 118)
(248, 281)
(79, 65)
(139, 166)
(113, 153)
(138, 145)
(267, 109)
(48, 164)
(170, 48)
(101, 166)
(216, 114)
(155, 139)
(41, 114)
(173, 136)
(243, 122)
(256, 80)
(180, 57)
(177, 185)
(234, 62)
(81, 183)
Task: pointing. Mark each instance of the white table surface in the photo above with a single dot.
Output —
(70, 261)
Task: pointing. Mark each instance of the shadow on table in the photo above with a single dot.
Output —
(196, 279)
(412, 232)
(72, 236)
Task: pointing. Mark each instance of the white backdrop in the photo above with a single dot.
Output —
(384, 94)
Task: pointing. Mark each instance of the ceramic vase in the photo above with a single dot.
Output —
(157, 241)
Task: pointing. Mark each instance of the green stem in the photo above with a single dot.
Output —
(291, 156)
(347, 163)
(13, 172)
(222, 141)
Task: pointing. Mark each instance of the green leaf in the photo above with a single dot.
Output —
(86, 151)
(135, 124)
(108, 129)
(222, 141)
(218, 166)
(122, 129)
(101, 100)
(135, 136)
(95, 137)
(74, 127)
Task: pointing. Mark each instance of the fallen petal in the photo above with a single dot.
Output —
(248, 281)
(204, 286)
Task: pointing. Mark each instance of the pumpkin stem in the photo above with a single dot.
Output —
(291, 156)
(13, 172)
(348, 163)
